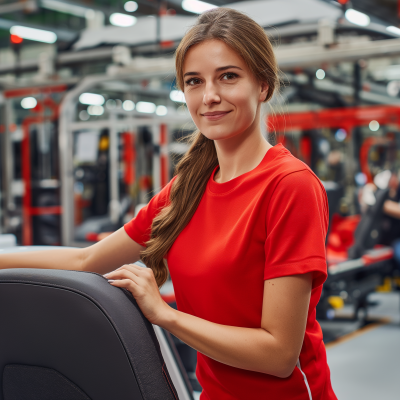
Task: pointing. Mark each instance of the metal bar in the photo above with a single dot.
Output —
(305, 56)
(27, 234)
(45, 210)
(156, 159)
(18, 6)
(32, 91)
(114, 205)
(8, 163)
(164, 172)
(173, 368)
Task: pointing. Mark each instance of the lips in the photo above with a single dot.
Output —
(215, 115)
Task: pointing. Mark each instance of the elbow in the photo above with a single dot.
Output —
(285, 371)
(286, 366)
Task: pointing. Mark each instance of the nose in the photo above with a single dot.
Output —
(211, 94)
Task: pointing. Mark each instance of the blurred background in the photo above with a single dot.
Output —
(91, 126)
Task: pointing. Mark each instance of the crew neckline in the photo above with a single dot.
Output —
(225, 187)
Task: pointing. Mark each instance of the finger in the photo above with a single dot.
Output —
(130, 267)
(125, 284)
(123, 274)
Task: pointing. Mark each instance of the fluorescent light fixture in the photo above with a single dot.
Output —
(393, 88)
(123, 20)
(128, 105)
(67, 8)
(393, 29)
(357, 18)
(38, 35)
(95, 110)
(161, 110)
(196, 6)
(28, 103)
(131, 6)
(91, 99)
(374, 126)
(320, 74)
(178, 96)
(145, 107)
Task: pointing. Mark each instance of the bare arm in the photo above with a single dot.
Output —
(273, 348)
(391, 208)
(104, 256)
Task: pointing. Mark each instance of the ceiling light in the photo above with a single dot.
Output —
(320, 74)
(131, 6)
(178, 96)
(145, 107)
(340, 135)
(123, 20)
(28, 103)
(196, 6)
(357, 18)
(393, 29)
(95, 110)
(374, 126)
(161, 110)
(91, 99)
(38, 35)
(393, 88)
(128, 105)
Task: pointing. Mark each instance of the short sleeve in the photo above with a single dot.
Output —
(139, 228)
(297, 223)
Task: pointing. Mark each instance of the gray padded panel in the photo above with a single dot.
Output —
(108, 349)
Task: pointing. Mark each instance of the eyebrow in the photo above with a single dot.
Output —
(217, 70)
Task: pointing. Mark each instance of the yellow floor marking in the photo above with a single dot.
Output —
(359, 332)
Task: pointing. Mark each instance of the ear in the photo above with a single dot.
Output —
(264, 91)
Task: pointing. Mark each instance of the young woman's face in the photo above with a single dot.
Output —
(222, 94)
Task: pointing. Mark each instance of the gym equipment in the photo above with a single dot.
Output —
(366, 266)
(69, 335)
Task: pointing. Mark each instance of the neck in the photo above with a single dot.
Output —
(240, 154)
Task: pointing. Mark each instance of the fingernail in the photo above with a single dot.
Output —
(111, 280)
(105, 275)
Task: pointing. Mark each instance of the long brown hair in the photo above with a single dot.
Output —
(249, 40)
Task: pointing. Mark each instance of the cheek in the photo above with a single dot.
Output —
(193, 103)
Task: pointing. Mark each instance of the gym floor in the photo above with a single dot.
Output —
(365, 362)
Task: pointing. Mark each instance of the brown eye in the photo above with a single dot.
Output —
(229, 76)
(192, 81)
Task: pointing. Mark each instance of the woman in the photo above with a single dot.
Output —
(241, 227)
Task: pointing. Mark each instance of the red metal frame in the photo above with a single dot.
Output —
(27, 210)
(346, 118)
(163, 155)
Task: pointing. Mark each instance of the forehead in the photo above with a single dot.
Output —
(210, 55)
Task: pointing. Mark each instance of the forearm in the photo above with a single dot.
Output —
(62, 258)
(252, 349)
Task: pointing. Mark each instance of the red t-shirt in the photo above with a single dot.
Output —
(267, 223)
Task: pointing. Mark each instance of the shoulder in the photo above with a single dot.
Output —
(288, 171)
(296, 186)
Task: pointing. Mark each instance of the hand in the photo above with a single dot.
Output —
(142, 284)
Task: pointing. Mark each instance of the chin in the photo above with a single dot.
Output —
(218, 132)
